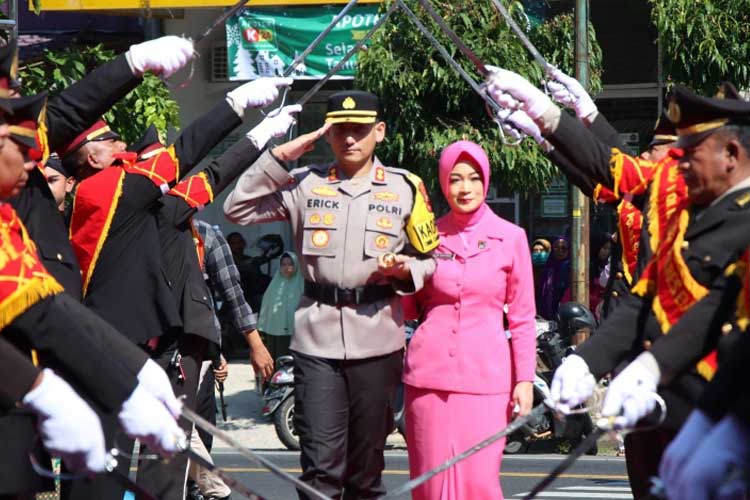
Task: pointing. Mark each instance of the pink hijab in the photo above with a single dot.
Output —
(463, 151)
(473, 153)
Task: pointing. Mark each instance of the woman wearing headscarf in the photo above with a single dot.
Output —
(276, 321)
(555, 277)
(463, 375)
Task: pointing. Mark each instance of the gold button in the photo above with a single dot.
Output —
(647, 344)
(59, 257)
(618, 275)
(685, 245)
(707, 258)
(726, 328)
(615, 294)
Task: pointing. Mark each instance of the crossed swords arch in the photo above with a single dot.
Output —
(494, 110)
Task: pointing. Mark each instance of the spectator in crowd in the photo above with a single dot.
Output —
(276, 321)
(463, 376)
(601, 247)
(540, 250)
(555, 277)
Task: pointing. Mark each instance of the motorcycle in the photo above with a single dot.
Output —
(553, 345)
(279, 400)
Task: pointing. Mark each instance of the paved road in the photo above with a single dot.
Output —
(591, 477)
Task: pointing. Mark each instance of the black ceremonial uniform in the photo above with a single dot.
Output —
(67, 114)
(179, 259)
(679, 293)
(123, 280)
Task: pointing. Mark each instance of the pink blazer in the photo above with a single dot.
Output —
(461, 345)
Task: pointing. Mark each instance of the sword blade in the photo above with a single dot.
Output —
(579, 450)
(319, 38)
(466, 51)
(314, 90)
(219, 21)
(444, 52)
(228, 479)
(510, 429)
(130, 485)
(522, 36)
(249, 454)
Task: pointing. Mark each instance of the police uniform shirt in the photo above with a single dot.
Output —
(340, 226)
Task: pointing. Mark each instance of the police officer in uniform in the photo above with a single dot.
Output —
(362, 230)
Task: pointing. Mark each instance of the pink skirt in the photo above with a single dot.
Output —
(440, 425)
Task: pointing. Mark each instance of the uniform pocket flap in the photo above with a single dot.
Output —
(386, 224)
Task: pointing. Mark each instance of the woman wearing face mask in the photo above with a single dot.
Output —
(555, 277)
(539, 254)
(276, 321)
(463, 376)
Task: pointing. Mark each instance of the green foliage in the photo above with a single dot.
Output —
(149, 104)
(428, 105)
(704, 43)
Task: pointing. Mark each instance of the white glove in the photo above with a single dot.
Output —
(143, 417)
(523, 122)
(681, 449)
(258, 93)
(276, 124)
(632, 394)
(573, 383)
(723, 450)
(68, 426)
(569, 92)
(163, 56)
(155, 381)
(505, 87)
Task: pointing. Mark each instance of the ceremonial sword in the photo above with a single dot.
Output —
(537, 411)
(357, 47)
(199, 421)
(541, 61)
(603, 426)
(471, 55)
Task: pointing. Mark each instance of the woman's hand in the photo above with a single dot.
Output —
(523, 398)
(292, 150)
(394, 266)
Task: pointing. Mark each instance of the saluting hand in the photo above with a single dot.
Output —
(292, 150)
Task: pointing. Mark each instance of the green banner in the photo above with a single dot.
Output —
(265, 41)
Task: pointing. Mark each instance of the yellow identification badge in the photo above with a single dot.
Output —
(421, 228)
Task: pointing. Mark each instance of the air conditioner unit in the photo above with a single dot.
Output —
(219, 63)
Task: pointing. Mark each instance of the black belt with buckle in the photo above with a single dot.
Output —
(335, 296)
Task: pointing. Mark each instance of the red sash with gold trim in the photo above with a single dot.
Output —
(23, 279)
(668, 195)
(195, 190)
(94, 207)
(668, 280)
(629, 224)
(631, 175)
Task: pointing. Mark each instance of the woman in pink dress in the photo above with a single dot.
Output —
(463, 376)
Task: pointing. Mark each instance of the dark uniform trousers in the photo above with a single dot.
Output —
(343, 416)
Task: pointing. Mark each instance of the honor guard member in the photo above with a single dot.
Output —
(115, 235)
(35, 314)
(692, 245)
(624, 184)
(362, 230)
(66, 115)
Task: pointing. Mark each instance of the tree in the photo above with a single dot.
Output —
(427, 104)
(704, 43)
(149, 104)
